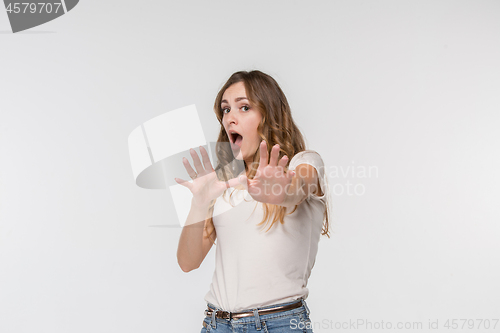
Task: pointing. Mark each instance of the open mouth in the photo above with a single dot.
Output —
(235, 138)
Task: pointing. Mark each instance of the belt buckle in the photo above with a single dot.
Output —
(222, 314)
(219, 313)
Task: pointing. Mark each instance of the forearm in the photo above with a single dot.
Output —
(189, 251)
(295, 193)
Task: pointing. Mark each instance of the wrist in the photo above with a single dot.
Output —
(200, 205)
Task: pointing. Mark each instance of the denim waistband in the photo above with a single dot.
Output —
(256, 317)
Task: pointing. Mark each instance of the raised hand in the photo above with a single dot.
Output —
(205, 186)
(270, 182)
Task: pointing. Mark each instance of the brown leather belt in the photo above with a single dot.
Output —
(235, 315)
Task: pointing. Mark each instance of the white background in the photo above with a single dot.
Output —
(408, 87)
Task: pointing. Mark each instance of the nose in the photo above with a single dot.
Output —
(231, 118)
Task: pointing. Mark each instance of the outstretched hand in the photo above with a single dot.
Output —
(270, 182)
(205, 186)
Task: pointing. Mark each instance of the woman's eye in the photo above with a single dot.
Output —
(244, 107)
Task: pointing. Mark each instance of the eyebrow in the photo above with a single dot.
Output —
(236, 100)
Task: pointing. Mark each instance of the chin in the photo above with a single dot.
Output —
(237, 154)
(239, 157)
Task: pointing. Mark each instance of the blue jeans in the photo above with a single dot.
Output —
(296, 320)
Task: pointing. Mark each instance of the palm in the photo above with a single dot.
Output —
(205, 186)
(209, 187)
(270, 182)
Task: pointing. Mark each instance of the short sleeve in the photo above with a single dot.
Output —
(313, 158)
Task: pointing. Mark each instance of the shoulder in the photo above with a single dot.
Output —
(309, 156)
(308, 165)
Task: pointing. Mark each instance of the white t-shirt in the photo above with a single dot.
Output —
(254, 268)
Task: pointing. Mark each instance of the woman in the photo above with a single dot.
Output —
(260, 278)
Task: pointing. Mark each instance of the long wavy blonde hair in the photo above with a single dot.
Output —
(276, 127)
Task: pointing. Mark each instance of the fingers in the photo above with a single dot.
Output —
(196, 161)
(183, 182)
(275, 151)
(263, 154)
(242, 179)
(283, 162)
(206, 160)
(188, 167)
